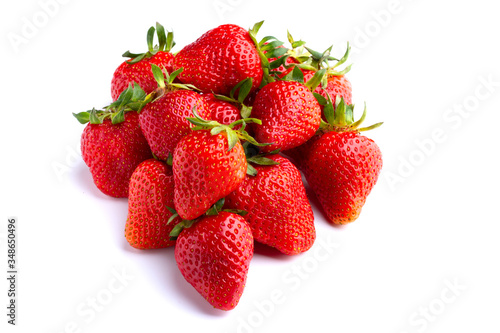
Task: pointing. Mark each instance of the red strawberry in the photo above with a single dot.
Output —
(205, 171)
(279, 212)
(219, 59)
(209, 163)
(138, 69)
(213, 255)
(342, 166)
(163, 121)
(289, 112)
(151, 191)
(221, 111)
(113, 146)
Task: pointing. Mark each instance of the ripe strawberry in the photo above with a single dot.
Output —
(113, 144)
(163, 121)
(219, 59)
(138, 68)
(151, 191)
(342, 166)
(205, 171)
(279, 212)
(289, 112)
(213, 255)
(221, 111)
(209, 163)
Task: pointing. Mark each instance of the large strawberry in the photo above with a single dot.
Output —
(138, 68)
(151, 193)
(113, 144)
(213, 255)
(209, 163)
(289, 112)
(221, 58)
(279, 212)
(341, 165)
(163, 120)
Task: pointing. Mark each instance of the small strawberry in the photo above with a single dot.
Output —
(221, 111)
(209, 163)
(221, 58)
(151, 192)
(163, 120)
(341, 165)
(289, 112)
(214, 255)
(138, 68)
(279, 212)
(113, 144)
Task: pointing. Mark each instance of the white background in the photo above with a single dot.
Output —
(430, 223)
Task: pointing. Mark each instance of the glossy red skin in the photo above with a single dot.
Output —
(140, 73)
(223, 112)
(214, 255)
(342, 169)
(204, 171)
(279, 212)
(219, 59)
(112, 152)
(164, 123)
(151, 191)
(289, 112)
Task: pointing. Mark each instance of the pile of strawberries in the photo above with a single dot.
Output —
(207, 144)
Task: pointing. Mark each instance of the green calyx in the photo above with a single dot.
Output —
(165, 43)
(175, 232)
(340, 118)
(241, 90)
(233, 136)
(212, 211)
(267, 48)
(131, 99)
(254, 157)
(166, 83)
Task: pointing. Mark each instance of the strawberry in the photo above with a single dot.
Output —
(289, 112)
(209, 163)
(163, 120)
(138, 68)
(214, 255)
(113, 144)
(205, 171)
(221, 111)
(151, 191)
(279, 212)
(221, 58)
(341, 165)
